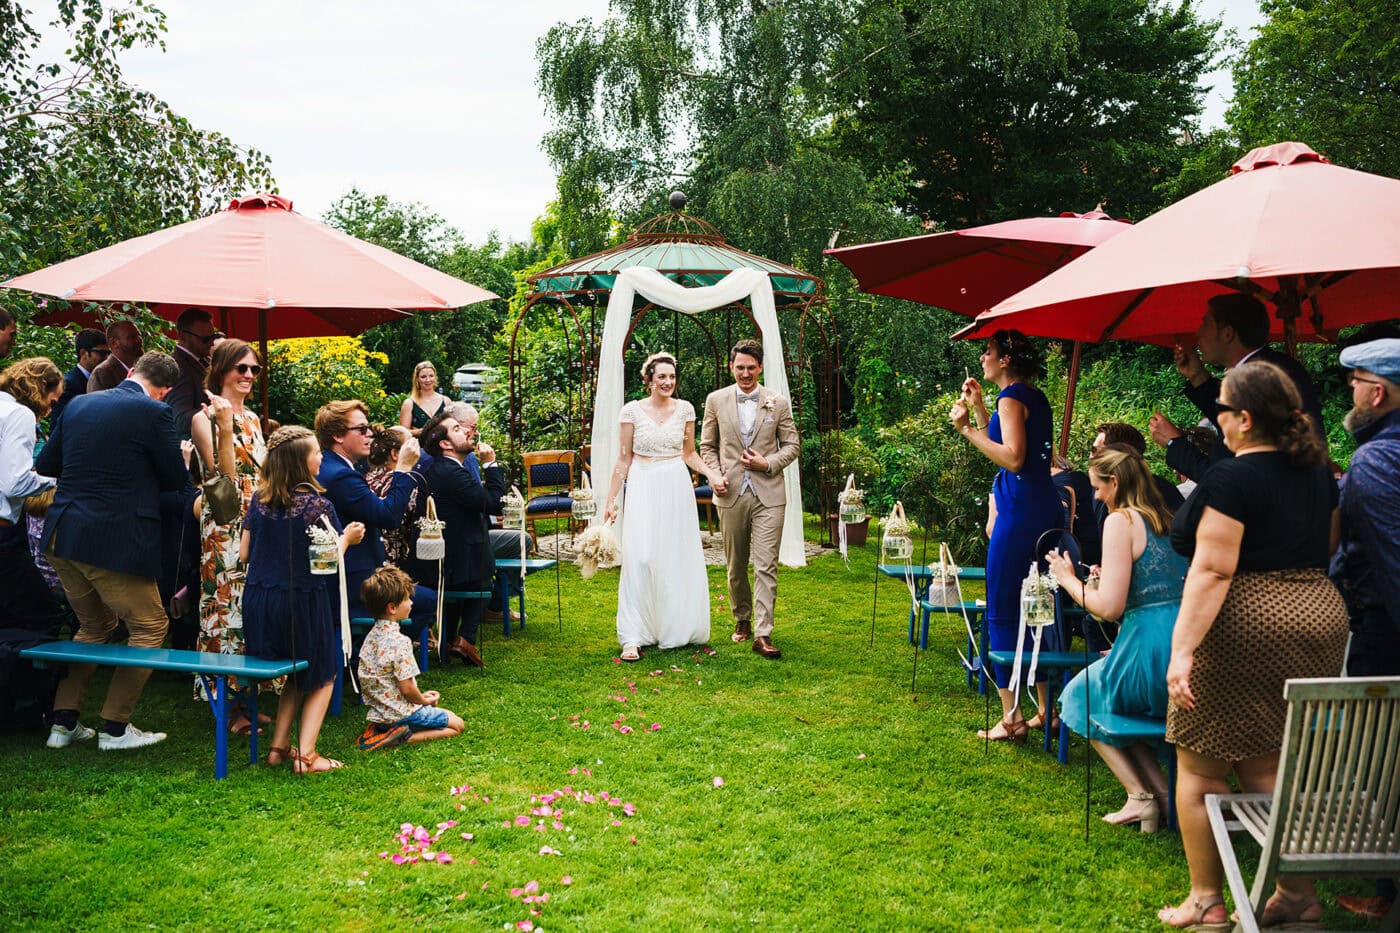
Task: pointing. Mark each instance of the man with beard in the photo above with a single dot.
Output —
(1366, 567)
(463, 503)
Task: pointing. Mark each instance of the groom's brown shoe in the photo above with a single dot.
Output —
(764, 646)
(743, 631)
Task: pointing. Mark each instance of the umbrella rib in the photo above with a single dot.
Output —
(1132, 306)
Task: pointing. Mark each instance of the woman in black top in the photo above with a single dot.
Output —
(1257, 610)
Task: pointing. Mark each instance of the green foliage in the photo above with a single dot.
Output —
(1326, 73)
(306, 373)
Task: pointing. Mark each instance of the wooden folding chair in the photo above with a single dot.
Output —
(1335, 810)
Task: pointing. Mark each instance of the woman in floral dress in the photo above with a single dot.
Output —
(237, 435)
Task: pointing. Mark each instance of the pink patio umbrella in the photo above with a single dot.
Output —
(264, 270)
(1319, 242)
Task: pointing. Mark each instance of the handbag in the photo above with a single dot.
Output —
(220, 493)
(431, 544)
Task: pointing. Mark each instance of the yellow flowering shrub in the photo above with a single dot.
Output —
(307, 372)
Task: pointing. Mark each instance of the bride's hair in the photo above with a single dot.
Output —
(649, 366)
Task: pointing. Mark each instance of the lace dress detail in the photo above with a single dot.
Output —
(1158, 574)
(658, 440)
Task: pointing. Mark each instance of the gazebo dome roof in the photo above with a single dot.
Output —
(681, 247)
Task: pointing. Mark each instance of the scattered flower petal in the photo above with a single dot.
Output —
(718, 781)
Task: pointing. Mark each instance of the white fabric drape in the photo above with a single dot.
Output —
(659, 290)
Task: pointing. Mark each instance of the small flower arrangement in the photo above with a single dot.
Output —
(324, 551)
(431, 545)
(770, 403)
(513, 510)
(597, 547)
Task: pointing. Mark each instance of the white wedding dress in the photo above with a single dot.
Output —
(663, 597)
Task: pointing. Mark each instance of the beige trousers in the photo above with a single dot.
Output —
(752, 530)
(99, 597)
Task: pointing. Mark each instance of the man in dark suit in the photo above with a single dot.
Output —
(113, 453)
(463, 503)
(1234, 330)
(91, 345)
(125, 341)
(343, 430)
(194, 343)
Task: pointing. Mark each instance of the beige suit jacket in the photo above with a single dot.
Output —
(775, 437)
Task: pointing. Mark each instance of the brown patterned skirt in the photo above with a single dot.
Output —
(1274, 626)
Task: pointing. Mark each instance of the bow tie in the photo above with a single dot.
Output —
(751, 397)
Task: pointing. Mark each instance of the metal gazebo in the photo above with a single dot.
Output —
(690, 252)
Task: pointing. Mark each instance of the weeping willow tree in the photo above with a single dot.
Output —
(733, 101)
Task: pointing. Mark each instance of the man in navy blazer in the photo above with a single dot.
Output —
(91, 346)
(463, 503)
(1234, 331)
(344, 432)
(114, 453)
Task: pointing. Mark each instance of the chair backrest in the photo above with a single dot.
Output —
(585, 458)
(1337, 801)
(548, 469)
(1069, 506)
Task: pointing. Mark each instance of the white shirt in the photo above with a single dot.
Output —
(748, 419)
(17, 477)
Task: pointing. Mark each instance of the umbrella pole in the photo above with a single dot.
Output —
(1069, 397)
(262, 352)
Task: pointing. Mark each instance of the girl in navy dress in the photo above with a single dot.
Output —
(287, 611)
(1017, 437)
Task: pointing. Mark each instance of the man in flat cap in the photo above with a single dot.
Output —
(1366, 567)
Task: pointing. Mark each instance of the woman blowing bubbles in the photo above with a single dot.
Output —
(1017, 439)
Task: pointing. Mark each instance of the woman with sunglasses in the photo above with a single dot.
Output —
(232, 444)
(1257, 611)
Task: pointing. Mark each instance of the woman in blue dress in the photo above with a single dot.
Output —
(1140, 580)
(1018, 438)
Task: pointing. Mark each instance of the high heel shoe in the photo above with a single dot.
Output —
(464, 650)
(1148, 816)
(1015, 732)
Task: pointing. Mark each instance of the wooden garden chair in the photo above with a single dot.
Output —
(1335, 810)
(549, 477)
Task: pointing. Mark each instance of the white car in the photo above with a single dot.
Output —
(470, 380)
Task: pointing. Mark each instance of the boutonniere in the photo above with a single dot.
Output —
(770, 403)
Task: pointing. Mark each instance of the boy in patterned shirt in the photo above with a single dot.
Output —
(388, 670)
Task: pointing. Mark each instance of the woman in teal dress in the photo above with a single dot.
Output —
(424, 402)
(1140, 582)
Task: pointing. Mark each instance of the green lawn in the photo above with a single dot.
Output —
(847, 801)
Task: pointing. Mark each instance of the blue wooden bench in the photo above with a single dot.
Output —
(506, 566)
(214, 669)
(976, 614)
(921, 575)
(1121, 727)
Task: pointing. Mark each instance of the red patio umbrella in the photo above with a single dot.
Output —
(264, 270)
(1319, 242)
(970, 270)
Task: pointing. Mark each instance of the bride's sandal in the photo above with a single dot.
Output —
(631, 653)
(1197, 921)
(1283, 911)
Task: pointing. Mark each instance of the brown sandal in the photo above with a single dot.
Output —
(282, 754)
(1010, 732)
(311, 764)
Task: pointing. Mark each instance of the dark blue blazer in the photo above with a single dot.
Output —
(464, 503)
(354, 501)
(114, 453)
(74, 385)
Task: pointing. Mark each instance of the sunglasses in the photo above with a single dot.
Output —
(1355, 379)
(363, 429)
(207, 338)
(246, 368)
(1221, 408)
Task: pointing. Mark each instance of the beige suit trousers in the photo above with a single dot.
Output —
(752, 530)
(99, 597)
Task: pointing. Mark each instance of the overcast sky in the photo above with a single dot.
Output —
(430, 100)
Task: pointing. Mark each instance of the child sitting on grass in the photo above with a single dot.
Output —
(398, 711)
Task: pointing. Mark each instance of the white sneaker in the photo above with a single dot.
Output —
(131, 738)
(60, 736)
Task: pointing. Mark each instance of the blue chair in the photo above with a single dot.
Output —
(705, 496)
(549, 478)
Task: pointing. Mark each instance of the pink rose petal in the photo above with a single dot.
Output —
(718, 781)
(531, 887)
(566, 880)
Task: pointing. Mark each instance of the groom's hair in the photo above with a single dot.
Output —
(748, 347)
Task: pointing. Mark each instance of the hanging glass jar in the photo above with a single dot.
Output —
(895, 544)
(1038, 598)
(852, 502)
(583, 505)
(513, 510)
(324, 550)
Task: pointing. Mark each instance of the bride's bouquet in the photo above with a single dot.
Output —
(597, 547)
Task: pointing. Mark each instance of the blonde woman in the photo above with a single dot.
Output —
(1140, 584)
(424, 402)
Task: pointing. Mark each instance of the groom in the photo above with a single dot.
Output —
(749, 437)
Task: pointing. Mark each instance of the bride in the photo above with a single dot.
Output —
(663, 597)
